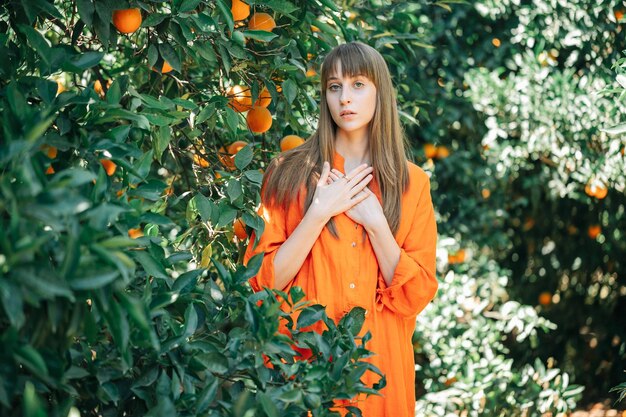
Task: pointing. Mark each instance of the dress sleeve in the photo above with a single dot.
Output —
(273, 236)
(414, 283)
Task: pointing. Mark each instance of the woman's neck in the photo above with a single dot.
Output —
(354, 149)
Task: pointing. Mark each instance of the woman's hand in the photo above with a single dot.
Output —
(335, 197)
(368, 212)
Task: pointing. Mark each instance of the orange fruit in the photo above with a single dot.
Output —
(290, 142)
(259, 119)
(50, 170)
(127, 20)
(236, 147)
(97, 87)
(240, 10)
(60, 87)
(496, 42)
(240, 98)
(166, 67)
(594, 230)
(457, 258)
(240, 229)
(545, 298)
(311, 72)
(261, 21)
(109, 166)
(226, 158)
(49, 150)
(135, 233)
(596, 190)
(265, 98)
(619, 14)
(430, 150)
(442, 152)
(485, 193)
(200, 161)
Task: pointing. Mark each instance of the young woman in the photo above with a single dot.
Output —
(350, 220)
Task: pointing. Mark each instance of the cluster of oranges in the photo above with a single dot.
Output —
(259, 118)
(259, 21)
(436, 152)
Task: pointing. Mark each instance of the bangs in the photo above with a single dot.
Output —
(354, 60)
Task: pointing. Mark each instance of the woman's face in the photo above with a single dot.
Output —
(351, 101)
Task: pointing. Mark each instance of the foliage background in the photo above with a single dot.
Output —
(96, 321)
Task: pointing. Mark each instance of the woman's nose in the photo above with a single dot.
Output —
(345, 96)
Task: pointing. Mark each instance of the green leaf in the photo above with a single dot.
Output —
(310, 315)
(187, 281)
(12, 303)
(191, 321)
(154, 19)
(244, 157)
(86, 11)
(162, 139)
(290, 90)
(188, 5)
(268, 405)
(234, 189)
(33, 406)
(206, 396)
(81, 62)
(31, 359)
(214, 362)
(150, 264)
(203, 205)
(169, 54)
(253, 175)
(232, 120)
(260, 35)
(94, 281)
(227, 14)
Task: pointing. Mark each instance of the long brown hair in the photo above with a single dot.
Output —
(302, 166)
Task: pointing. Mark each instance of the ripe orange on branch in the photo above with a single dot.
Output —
(239, 228)
(290, 142)
(109, 166)
(240, 10)
(227, 155)
(261, 21)
(593, 231)
(240, 98)
(265, 98)
(259, 119)
(597, 190)
(127, 20)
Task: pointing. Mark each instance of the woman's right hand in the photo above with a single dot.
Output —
(332, 199)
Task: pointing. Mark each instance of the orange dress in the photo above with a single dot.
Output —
(344, 273)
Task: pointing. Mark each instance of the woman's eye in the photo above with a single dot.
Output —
(333, 87)
(359, 84)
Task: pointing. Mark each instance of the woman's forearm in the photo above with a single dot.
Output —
(386, 249)
(296, 248)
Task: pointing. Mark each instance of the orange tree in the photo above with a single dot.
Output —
(519, 95)
(125, 166)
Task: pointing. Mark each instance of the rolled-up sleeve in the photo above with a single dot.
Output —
(273, 236)
(414, 283)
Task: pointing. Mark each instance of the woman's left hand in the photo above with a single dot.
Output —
(369, 213)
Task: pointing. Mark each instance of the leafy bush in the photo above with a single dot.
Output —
(461, 342)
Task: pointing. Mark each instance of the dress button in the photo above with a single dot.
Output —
(353, 244)
(352, 285)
